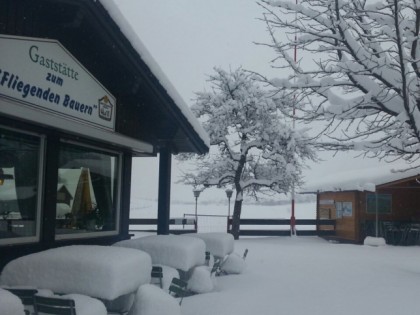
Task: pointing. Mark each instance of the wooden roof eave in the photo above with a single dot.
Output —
(192, 142)
(394, 183)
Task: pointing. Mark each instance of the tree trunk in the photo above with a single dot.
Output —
(236, 219)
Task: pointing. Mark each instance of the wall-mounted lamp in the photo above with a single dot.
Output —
(3, 176)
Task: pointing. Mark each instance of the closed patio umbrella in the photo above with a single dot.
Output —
(82, 204)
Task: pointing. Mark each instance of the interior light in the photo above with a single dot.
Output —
(3, 176)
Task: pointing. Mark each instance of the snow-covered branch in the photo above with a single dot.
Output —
(364, 69)
(254, 150)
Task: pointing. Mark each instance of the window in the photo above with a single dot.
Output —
(380, 202)
(343, 209)
(20, 186)
(88, 184)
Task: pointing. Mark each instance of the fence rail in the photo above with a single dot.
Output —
(286, 222)
(177, 222)
(190, 222)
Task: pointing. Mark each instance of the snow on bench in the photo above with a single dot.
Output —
(85, 305)
(217, 243)
(177, 251)
(105, 272)
(151, 300)
(10, 304)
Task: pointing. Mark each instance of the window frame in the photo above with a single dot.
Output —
(40, 191)
(116, 231)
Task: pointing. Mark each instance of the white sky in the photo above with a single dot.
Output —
(188, 38)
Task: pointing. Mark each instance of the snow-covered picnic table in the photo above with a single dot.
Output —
(105, 272)
(217, 243)
(177, 251)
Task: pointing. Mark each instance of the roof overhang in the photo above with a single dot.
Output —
(100, 38)
(189, 136)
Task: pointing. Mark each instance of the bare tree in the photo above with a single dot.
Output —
(364, 76)
(252, 150)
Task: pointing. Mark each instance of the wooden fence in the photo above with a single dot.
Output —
(286, 222)
(188, 226)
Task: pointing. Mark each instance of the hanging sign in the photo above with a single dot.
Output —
(42, 74)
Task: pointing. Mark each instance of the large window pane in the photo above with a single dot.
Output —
(19, 181)
(87, 190)
(379, 202)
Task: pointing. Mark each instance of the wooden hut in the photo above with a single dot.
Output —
(378, 204)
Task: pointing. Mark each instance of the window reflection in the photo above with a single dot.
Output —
(86, 191)
(19, 180)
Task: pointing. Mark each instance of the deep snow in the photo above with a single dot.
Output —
(308, 275)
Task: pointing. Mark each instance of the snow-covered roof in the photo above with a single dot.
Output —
(363, 179)
(141, 49)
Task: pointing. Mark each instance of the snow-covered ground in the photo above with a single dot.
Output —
(299, 276)
(308, 275)
(305, 275)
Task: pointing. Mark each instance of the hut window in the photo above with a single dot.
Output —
(343, 209)
(87, 191)
(20, 179)
(380, 202)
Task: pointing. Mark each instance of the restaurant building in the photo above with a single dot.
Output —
(80, 97)
(374, 203)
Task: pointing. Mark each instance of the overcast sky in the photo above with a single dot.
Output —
(188, 38)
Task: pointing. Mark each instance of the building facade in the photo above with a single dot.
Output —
(390, 204)
(77, 102)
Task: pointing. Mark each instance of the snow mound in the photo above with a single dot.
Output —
(200, 280)
(151, 300)
(97, 271)
(10, 304)
(168, 274)
(217, 243)
(374, 241)
(180, 252)
(234, 264)
(122, 304)
(210, 263)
